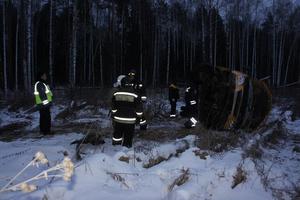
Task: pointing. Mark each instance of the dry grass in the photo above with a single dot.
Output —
(217, 141)
(254, 152)
(164, 134)
(124, 159)
(180, 180)
(156, 160)
(118, 178)
(276, 135)
(14, 126)
(201, 154)
(239, 177)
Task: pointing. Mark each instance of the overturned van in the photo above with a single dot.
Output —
(230, 99)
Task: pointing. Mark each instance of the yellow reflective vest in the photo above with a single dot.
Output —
(38, 99)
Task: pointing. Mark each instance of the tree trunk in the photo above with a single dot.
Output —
(280, 61)
(85, 74)
(141, 44)
(4, 49)
(29, 44)
(17, 51)
(74, 45)
(210, 37)
(274, 63)
(114, 44)
(215, 45)
(247, 48)
(100, 51)
(101, 64)
(230, 47)
(91, 44)
(253, 68)
(289, 58)
(155, 55)
(191, 53)
(122, 42)
(168, 56)
(51, 42)
(203, 35)
(158, 55)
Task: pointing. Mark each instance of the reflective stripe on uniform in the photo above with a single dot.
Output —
(48, 93)
(125, 119)
(144, 98)
(143, 122)
(45, 102)
(193, 120)
(187, 89)
(117, 139)
(113, 111)
(172, 115)
(139, 113)
(36, 91)
(126, 93)
(193, 102)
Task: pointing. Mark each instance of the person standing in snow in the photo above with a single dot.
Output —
(190, 110)
(43, 101)
(173, 97)
(126, 111)
(141, 91)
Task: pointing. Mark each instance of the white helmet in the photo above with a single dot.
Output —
(119, 79)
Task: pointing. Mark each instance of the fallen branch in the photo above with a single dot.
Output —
(182, 179)
(183, 146)
(265, 78)
(290, 84)
(118, 178)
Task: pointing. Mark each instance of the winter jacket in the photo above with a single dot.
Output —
(191, 96)
(126, 106)
(173, 93)
(43, 94)
(139, 88)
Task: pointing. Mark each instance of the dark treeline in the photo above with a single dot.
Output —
(91, 42)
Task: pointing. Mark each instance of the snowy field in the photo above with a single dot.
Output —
(262, 165)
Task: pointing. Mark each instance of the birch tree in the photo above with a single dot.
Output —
(72, 74)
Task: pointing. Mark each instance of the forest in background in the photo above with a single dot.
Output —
(91, 42)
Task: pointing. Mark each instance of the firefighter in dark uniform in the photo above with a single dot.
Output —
(173, 97)
(43, 101)
(141, 91)
(190, 110)
(126, 111)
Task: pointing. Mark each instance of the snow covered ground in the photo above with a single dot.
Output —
(177, 169)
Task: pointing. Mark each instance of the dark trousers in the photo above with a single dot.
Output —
(173, 107)
(45, 120)
(124, 131)
(189, 111)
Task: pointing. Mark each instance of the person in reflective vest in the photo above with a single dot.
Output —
(126, 112)
(173, 97)
(140, 89)
(43, 101)
(190, 110)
